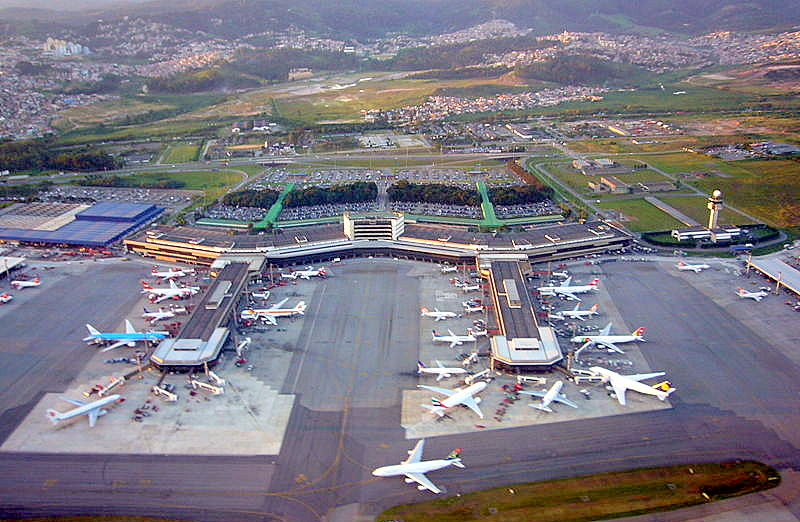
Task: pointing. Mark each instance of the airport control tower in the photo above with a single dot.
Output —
(714, 206)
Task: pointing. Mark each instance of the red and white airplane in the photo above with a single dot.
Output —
(271, 314)
(575, 313)
(173, 292)
(25, 284)
(565, 290)
(606, 339)
(680, 265)
(755, 296)
(308, 273)
(172, 273)
(4, 298)
(158, 315)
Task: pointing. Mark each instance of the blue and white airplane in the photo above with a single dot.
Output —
(129, 338)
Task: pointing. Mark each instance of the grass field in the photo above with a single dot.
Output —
(181, 153)
(695, 208)
(596, 497)
(641, 176)
(642, 216)
(660, 144)
(684, 162)
(214, 184)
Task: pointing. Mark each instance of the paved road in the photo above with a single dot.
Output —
(736, 399)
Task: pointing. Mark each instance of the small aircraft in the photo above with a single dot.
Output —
(6, 298)
(680, 265)
(129, 338)
(568, 291)
(308, 273)
(20, 284)
(458, 396)
(446, 269)
(436, 314)
(607, 340)
(261, 295)
(552, 395)
(414, 468)
(173, 292)
(440, 371)
(473, 309)
(92, 409)
(575, 313)
(471, 288)
(562, 275)
(453, 339)
(172, 273)
(755, 296)
(159, 315)
(273, 312)
(621, 383)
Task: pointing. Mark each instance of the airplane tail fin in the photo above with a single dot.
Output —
(92, 329)
(639, 331)
(172, 285)
(455, 454)
(301, 307)
(54, 416)
(594, 282)
(146, 285)
(434, 334)
(594, 308)
(420, 366)
(424, 310)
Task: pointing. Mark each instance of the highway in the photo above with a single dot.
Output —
(736, 398)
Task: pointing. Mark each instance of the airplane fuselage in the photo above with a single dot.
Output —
(462, 394)
(613, 339)
(414, 467)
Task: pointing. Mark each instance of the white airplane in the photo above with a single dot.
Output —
(562, 275)
(441, 372)
(91, 409)
(6, 298)
(569, 291)
(261, 295)
(436, 314)
(552, 395)
(755, 296)
(173, 292)
(308, 273)
(621, 383)
(473, 309)
(465, 396)
(158, 315)
(453, 339)
(447, 269)
(414, 468)
(26, 284)
(129, 338)
(575, 313)
(273, 312)
(470, 288)
(607, 340)
(680, 265)
(172, 273)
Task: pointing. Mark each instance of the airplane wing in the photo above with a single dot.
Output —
(455, 343)
(271, 320)
(470, 403)
(439, 364)
(611, 346)
(415, 455)
(93, 414)
(76, 402)
(534, 393)
(278, 304)
(161, 298)
(443, 391)
(606, 329)
(570, 295)
(643, 376)
(619, 390)
(563, 400)
(423, 481)
(566, 281)
(115, 345)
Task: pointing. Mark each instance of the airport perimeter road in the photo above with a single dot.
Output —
(736, 398)
(41, 330)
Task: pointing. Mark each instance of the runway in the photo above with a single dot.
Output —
(736, 398)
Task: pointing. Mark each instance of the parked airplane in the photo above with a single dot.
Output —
(129, 338)
(607, 340)
(414, 468)
(436, 314)
(20, 284)
(621, 383)
(568, 291)
(694, 268)
(755, 296)
(91, 409)
(172, 273)
(441, 372)
(159, 315)
(471, 288)
(307, 274)
(173, 292)
(465, 396)
(552, 395)
(562, 275)
(473, 309)
(447, 269)
(6, 298)
(575, 313)
(453, 339)
(271, 314)
(261, 295)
